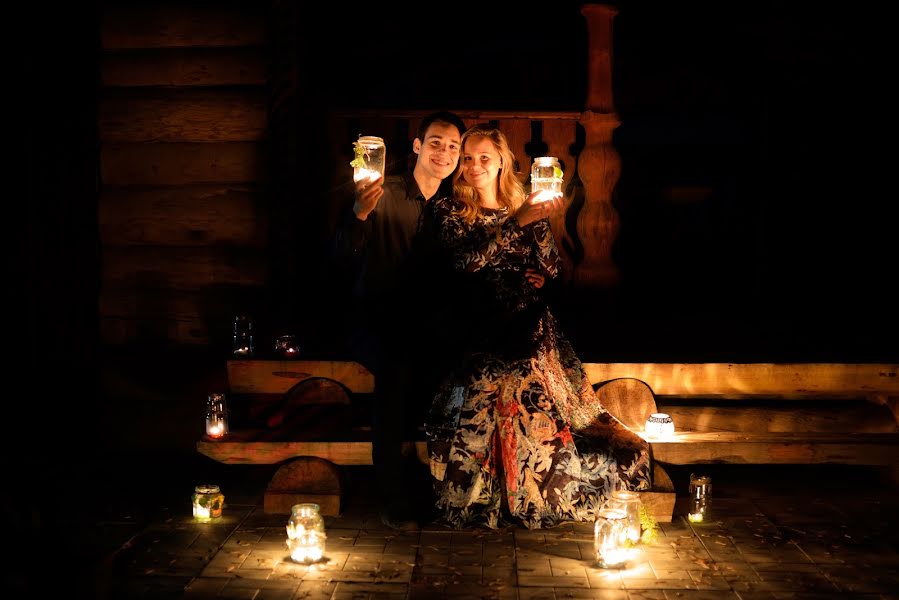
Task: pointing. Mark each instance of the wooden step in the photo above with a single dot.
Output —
(686, 448)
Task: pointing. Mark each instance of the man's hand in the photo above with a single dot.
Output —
(368, 192)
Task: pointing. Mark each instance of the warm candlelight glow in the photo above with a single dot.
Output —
(207, 503)
(700, 497)
(609, 535)
(695, 517)
(659, 425)
(216, 416)
(306, 533)
(365, 174)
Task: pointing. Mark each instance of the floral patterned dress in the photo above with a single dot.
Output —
(517, 433)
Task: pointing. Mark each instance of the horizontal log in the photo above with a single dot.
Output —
(776, 448)
(185, 67)
(115, 331)
(183, 115)
(210, 268)
(736, 380)
(832, 416)
(278, 376)
(196, 215)
(176, 24)
(182, 163)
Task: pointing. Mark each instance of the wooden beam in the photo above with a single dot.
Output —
(195, 215)
(178, 24)
(799, 416)
(183, 115)
(151, 267)
(185, 67)
(278, 376)
(182, 163)
(736, 380)
(776, 448)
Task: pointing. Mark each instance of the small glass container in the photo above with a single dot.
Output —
(242, 344)
(700, 498)
(306, 533)
(207, 503)
(546, 177)
(659, 424)
(370, 158)
(216, 416)
(628, 503)
(608, 539)
(286, 346)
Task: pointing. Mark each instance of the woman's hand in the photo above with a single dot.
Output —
(535, 278)
(536, 208)
(367, 193)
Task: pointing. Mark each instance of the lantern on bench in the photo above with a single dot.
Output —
(216, 416)
(242, 340)
(306, 533)
(659, 424)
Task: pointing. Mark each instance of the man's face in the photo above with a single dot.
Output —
(438, 153)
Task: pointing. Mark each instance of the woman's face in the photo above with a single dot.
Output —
(480, 163)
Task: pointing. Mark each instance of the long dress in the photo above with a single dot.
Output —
(516, 433)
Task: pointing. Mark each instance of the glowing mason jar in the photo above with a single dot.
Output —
(659, 424)
(608, 538)
(207, 503)
(700, 498)
(242, 342)
(306, 533)
(216, 416)
(546, 177)
(370, 158)
(628, 503)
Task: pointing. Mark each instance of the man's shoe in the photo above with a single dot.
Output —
(398, 521)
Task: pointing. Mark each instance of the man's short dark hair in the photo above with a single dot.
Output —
(440, 117)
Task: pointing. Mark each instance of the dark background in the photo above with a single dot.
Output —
(776, 111)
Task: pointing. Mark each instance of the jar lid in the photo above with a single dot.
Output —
(207, 489)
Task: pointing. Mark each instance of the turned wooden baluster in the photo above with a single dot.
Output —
(599, 165)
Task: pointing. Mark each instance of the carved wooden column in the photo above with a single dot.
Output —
(599, 165)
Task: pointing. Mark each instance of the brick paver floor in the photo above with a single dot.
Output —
(763, 541)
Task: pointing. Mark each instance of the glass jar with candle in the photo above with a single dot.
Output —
(286, 346)
(216, 416)
(207, 503)
(628, 503)
(608, 538)
(370, 158)
(700, 497)
(306, 533)
(546, 177)
(242, 341)
(659, 424)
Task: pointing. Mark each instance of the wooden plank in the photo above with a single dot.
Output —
(278, 376)
(832, 416)
(269, 453)
(659, 504)
(196, 215)
(744, 380)
(183, 115)
(152, 267)
(178, 24)
(180, 163)
(185, 67)
(777, 448)
(116, 331)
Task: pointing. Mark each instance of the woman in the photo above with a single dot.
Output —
(517, 430)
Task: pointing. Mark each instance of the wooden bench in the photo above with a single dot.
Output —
(724, 413)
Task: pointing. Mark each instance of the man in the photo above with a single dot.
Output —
(381, 236)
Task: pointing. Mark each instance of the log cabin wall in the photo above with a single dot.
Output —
(183, 122)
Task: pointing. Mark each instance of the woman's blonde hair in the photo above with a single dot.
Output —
(511, 191)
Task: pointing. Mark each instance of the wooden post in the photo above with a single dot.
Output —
(599, 165)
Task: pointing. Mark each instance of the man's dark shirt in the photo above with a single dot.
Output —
(380, 248)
